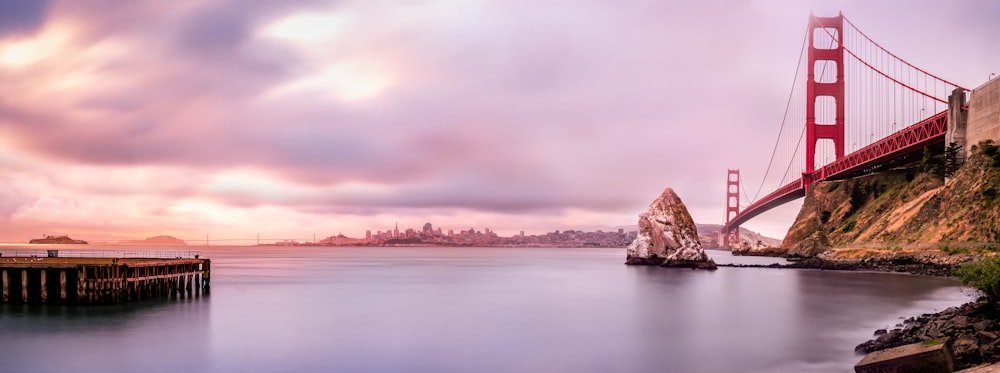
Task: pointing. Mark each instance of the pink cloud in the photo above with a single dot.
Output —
(513, 111)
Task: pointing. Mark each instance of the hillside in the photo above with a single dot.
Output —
(904, 210)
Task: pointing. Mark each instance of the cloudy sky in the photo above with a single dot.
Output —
(293, 118)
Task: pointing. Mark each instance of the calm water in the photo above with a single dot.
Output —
(475, 310)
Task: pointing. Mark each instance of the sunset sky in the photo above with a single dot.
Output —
(292, 118)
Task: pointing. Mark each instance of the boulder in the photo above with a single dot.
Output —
(668, 236)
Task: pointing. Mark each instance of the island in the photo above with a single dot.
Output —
(156, 240)
(61, 240)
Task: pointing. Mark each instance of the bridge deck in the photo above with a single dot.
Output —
(872, 158)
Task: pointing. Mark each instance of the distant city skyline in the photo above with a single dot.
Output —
(233, 118)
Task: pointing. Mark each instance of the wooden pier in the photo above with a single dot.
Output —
(82, 280)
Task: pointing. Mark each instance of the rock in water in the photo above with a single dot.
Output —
(668, 236)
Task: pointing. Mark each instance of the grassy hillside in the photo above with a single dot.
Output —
(909, 207)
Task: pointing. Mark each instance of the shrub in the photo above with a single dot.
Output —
(858, 198)
(991, 151)
(848, 226)
(955, 250)
(983, 275)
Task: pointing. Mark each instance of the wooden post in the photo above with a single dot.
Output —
(99, 284)
(6, 287)
(45, 294)
(81, 284)
(92, 284)
(207, 275)
(62, 286)
(24, 285)
(118, 284)
(159, 282)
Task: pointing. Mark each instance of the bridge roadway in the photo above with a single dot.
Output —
(891, 151)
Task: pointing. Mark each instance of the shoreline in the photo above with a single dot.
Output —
(971, 330)
(888, 266)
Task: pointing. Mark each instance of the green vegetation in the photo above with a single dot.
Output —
(930, 161)
(848, 225)
(942, 161)
(952, 159)
(932, 342)
(983, 275)
(955, 250)
(990, 150)
(858, 198)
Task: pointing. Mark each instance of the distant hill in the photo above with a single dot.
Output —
(157, 240)
(709, 235)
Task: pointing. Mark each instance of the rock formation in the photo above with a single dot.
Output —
(668, 236)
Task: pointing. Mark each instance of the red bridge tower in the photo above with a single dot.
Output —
(730, 234)
(829, 29)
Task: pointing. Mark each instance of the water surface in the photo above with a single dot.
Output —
(431, 309)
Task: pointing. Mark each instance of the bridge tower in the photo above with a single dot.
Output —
(731, 234)
(823, 28)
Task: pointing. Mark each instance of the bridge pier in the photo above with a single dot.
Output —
(984, 114)
(958, 115)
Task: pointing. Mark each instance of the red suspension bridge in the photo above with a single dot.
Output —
(864, 109)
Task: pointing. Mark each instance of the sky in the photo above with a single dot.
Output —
(234, 118)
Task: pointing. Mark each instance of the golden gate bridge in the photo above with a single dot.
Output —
(864, 109)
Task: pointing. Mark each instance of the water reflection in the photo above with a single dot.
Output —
(162, 335)
(476, 309)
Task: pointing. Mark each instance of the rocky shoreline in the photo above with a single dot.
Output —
(900, 265)
(972, 330)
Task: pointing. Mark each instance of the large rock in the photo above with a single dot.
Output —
(668, 236)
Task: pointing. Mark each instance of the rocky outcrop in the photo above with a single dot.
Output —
(668, 236)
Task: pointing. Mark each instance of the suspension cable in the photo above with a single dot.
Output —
(784, 118)
(895, 56)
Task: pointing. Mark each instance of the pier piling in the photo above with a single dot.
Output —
(78, 280)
